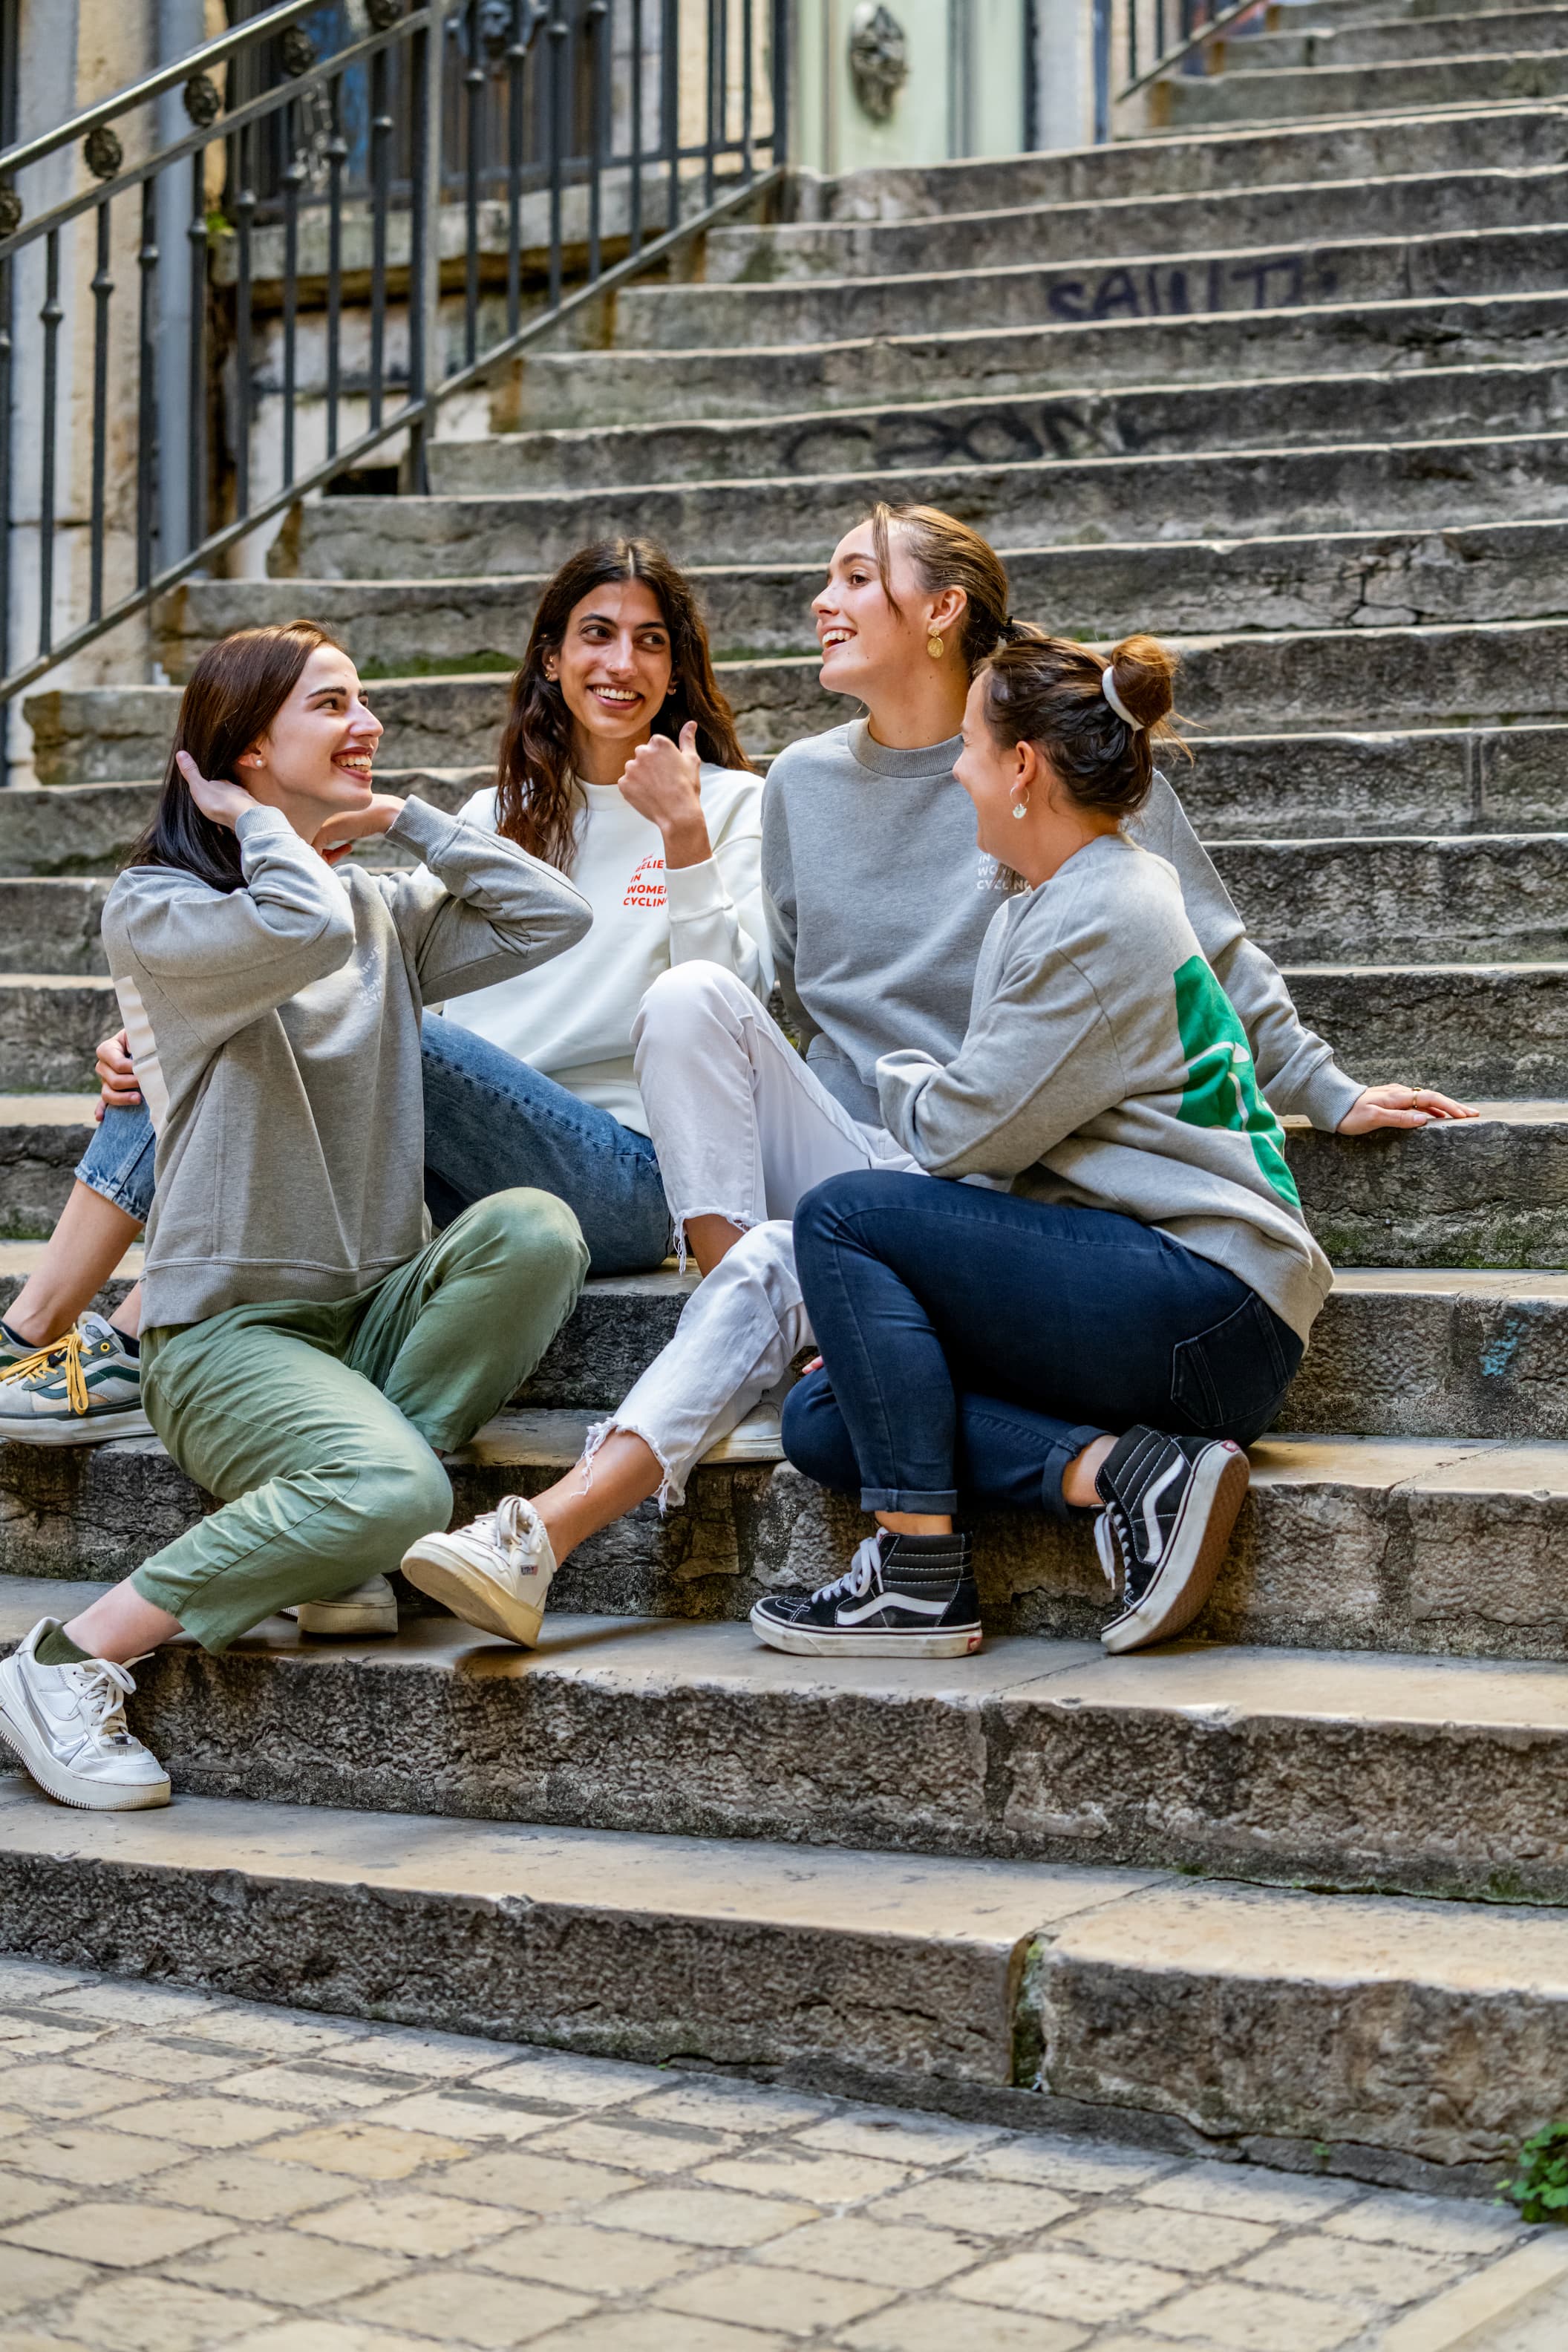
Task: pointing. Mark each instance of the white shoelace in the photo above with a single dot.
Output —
(1113, 1536)
(864, 1571)
(101, 1691)
(514, 1529)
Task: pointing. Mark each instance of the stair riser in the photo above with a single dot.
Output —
(1168, 421)
(559, 389)
(609, 1980)
(1498, 780)
(1520, 32)
(675, 318)
(1413, 205)
(1506, 572)
(52, 926)
(1190, 104)
(1329, 1564)
(1229, 161)
(1417, 485)
(1491, 1034)
(1438, 1808)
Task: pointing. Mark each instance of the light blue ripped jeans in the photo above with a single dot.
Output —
(491, 1123)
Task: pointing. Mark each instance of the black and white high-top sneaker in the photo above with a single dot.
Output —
(904, 1597)
(1169, 1506)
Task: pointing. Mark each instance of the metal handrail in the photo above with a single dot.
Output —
(1182, 48)
(537, 116)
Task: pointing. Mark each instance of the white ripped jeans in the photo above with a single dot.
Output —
(742, 1130)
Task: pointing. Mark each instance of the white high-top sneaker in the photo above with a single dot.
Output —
(367, 1607)
(68, 1726)
(493, 1574)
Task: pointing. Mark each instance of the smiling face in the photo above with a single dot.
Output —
(614, 667)
(867, 647)
(316, 757)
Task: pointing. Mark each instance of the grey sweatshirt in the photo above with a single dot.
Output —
(275, 1032)
(877, 901)
(1104, 1066)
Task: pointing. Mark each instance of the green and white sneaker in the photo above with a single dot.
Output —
(84, 1388)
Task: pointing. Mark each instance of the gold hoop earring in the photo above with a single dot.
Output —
(934, 644)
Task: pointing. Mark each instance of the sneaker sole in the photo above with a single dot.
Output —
(97, 1429)
(67, 1787)
(814, 1642)
(1185, 1578)
(469, 1595)
(327, 1617)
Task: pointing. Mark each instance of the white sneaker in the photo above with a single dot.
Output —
(84, 1388)
(68, 1726)
(494, 1574)
(367, 1607)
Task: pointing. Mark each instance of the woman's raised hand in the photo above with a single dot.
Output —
(1397, 1106)
(117, 1074)
(215, 797)
(663, 781)
(339, 833)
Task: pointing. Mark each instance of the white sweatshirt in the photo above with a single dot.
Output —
(572, 1018)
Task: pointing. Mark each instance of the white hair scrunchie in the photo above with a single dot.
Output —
(1108, 687)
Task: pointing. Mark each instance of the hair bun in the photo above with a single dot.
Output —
(1145, 679)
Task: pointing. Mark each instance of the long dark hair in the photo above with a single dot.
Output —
(233, 694)
(535, 800)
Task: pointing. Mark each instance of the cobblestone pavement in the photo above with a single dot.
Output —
(177, 2171)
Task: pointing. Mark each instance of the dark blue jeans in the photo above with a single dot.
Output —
(491, 1122)
(973, 1341)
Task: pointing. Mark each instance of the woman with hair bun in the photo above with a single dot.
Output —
(1115, 1302)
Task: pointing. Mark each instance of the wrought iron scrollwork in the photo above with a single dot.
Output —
(204, 102)
(103, 152)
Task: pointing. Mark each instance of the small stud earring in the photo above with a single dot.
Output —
(1020, 808)
(934, 646)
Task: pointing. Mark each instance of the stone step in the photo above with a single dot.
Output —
(1188, 103)
(1264, 681)
(1142, 421)
(80, 831)
(673, 316)
(1411, 204)
(1512, 31)
(1340, 487)
(1447, 1547)
(1485, 571)
(1403, 1774)
(1423, 780)
(1138, 345)
(1232, 156)
(1249, 2015)
(1465, 897)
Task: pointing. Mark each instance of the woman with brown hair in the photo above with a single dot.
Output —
(309, 1355)
(619, 766)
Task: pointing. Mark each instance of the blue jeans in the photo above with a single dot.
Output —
(491, 1123)
(974, 1341)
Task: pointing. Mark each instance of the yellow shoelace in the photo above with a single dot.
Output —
(44, 1360)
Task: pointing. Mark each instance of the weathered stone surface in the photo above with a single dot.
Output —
(642, 1948)
(1226, 1759)
(49, 1030)
(1470, 1029)
(1463, 780)
(52, 926)
(1164, 419)
(1183, 103)
(1492, 1193)
(1141, 346)
(1366, 268)
(1471, 898)
(1416, 203)
(1516, 32)
(1439, 2029)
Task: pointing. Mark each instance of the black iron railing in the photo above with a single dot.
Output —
(1164, 34)
(340, 241)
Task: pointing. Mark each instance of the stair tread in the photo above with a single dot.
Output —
(635, 1656)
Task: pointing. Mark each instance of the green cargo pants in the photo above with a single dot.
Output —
(317, 1425)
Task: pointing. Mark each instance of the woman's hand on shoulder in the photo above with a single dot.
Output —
(339, 833)
(1397, 1106)
(663, 781)
(215, 797)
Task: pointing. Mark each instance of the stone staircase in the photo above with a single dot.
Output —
(1287, 379)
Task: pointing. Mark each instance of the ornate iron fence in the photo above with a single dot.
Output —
(369, 228)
